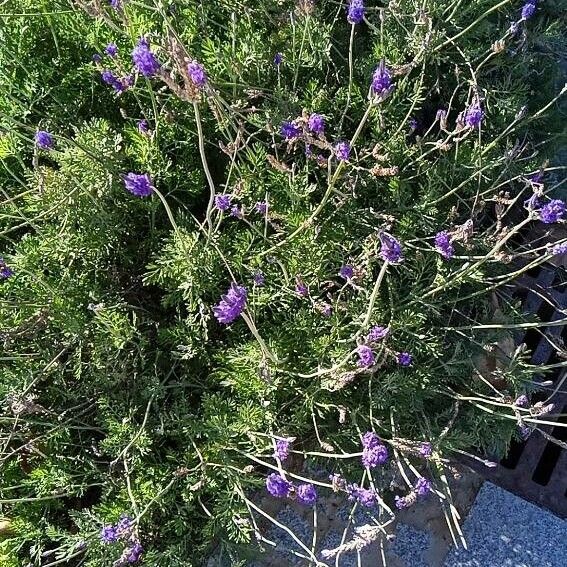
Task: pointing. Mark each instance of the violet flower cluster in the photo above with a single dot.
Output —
(231, 305)
(44, 140)
(374, 452)
(421, 488)
(279, 487)
(391, 249)
(443, 244)
(144, 59)
(123, 531)
(139, 184)
(355, 12)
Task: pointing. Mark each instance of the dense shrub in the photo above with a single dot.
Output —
(365, 188)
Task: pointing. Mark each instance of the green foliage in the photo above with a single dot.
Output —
(121, 391)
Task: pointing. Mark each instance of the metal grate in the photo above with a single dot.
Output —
(536, 469)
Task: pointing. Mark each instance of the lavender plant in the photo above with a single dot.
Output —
(264, 251)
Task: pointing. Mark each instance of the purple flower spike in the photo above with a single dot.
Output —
(528, 10)
(300, 288)
(237, 212)
(402, 502)
(346, 272)
(278, 58)
(231, 304)
(259, 279)
(306, 494)
(365, 357)
(133, 552)
(261, 207)
(404, 358)
(139, 184)
(124, 526)
(277, 486)
(342, 151)
(425, 450)
(377, 333)
(144, 60)
(316, 123)
(44, 140)
(111, 50)
(289, 130)
(423, 486)
(97, 58)
(381, 80)
(443, 244)
(282, 449)
(5, 270)
(143, 126)
(559, 249)
(355, 13)
(108, 534)
(374, 452)
(474, 115)
(222, 202)
(391, 249)
(365, 496)
(197, 74)
(116, 4)
(552, 212)
(522, 401)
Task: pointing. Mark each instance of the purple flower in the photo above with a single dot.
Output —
(403, 502)
(528, 10)
(259, 279)
(237, 212)
(97, 58)
(524, 431)
(346, 272)
(365, 496)
(231, 304)
(261, 207)
(306, 494)
(222, 202)
(108, 534)
(143, 126)
(404, 358)
(443, 244)
(300, 288)
(559, 249)
(144, 60)
(473, 115)
(552, 212)
(365, 357)
(109, 78)
(342, 151)
(277, 486)
(116, 4)
(278, 58)
(391, 249)
(282, 449)
(133, 552)
(381, 80)
(44, 140)
(413, 124)
(422, 486)
(355, 13)
(377, 333)
(139, 184)
(124, 526)
(111, 50)
(5, 270)
(289, 130)
(522, 401)
(197, 74)
(425, 449)
(316, 123)
(374, 452)
(326, 309)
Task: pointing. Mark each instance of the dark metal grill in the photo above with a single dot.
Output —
(536, 469)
